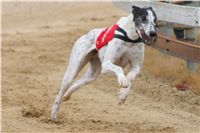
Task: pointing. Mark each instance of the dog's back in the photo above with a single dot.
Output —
(88, 41)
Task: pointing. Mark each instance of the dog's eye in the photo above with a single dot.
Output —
(144, 18)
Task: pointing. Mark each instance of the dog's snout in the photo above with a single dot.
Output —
(153, 34)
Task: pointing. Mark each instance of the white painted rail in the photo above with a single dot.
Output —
(166, 12)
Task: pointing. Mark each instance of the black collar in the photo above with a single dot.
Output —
(125, 37)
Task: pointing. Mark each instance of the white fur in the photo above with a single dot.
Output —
(111, 58)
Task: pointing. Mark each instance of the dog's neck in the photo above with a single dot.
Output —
(128, 25)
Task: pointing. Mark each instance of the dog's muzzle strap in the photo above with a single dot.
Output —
(125, 37)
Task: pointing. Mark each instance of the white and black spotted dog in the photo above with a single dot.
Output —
(110, 50)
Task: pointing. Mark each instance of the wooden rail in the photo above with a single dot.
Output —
(181, 49)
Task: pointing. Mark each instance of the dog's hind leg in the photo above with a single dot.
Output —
(92, 73)
(77, 61)
(69, 76)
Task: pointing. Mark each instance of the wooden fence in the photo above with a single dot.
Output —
(188, 16)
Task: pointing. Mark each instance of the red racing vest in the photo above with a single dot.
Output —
(106, 36)
(109, 33)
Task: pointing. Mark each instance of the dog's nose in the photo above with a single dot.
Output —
(153, 34)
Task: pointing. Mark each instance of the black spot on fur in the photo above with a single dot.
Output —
(138, 12)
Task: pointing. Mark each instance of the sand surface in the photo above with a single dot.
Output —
(36, 42)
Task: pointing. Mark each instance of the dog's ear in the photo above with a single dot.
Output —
(135, 9)
(150, 8)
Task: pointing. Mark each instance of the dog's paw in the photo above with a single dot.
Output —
(123, 81)
(53, 115)
(55, 108)
(122, 95)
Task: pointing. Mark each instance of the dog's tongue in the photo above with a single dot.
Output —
(144, 36)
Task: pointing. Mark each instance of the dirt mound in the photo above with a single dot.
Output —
(32, 112)
(161, 92)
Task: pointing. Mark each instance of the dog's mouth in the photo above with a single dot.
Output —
(148, 40)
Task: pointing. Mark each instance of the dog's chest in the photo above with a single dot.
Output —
(132, 53)
(135, 52)
(135, 49)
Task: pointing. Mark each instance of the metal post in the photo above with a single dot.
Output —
(188, 34)
(192, 34)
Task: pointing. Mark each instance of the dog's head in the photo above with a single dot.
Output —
(145, 22)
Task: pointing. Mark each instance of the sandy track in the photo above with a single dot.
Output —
(37, 40)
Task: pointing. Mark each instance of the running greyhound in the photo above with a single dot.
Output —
(110, 50)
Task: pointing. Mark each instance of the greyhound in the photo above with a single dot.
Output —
(110, 50)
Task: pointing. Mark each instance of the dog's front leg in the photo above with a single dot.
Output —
(122, 79)
(130, 77)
